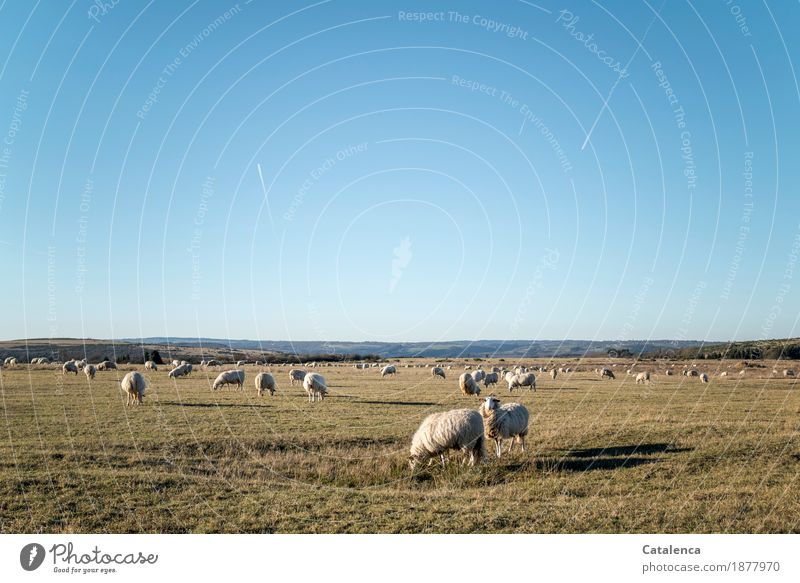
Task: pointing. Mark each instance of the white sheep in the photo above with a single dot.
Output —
(229, 377)
(240, 363)
(521, 380)
(90, 370)
(692, 373)
(459, 429)
(265, 382)
(150, 365)
(478, 375)
(106, 365)
(491, 378)
(606, 372)
(387, 370)
(468, 385)
(80, 363)
(643, 377)
(176, 363)
(509, 421)
(668, 372)
(213, 362)
(69, 367)
(133, 385)
(438, 371)
(724, 373)
(180, 371)
(316, 387)
(703, 378)
(296, 374)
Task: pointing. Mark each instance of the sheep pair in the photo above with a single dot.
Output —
(467, 430)
(182, 370)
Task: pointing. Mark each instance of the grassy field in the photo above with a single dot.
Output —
(603, 456)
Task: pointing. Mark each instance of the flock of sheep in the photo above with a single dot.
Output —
(459, 429)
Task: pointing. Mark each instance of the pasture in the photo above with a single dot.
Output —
(676, 455)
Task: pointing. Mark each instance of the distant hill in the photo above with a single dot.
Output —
(135, 349)
(448, 349)
(780, 348)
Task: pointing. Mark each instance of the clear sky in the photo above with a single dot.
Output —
(400, 170)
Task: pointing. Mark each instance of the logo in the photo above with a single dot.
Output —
(31, 556)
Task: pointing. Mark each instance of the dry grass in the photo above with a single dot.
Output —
(604, 456)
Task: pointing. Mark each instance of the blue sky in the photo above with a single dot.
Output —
(355, 171)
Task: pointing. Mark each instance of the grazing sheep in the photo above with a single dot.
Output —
(387, 370)
(133, 385)
(90, 370)
(508, 421)
(229, 377)
(240, 363)
(668, 372)
(107, 365)
(553, 374)
(296, 374)
(80, 363)
(491, 378)
(606, 372)
(69, 367)
(150, 365)
(643, 377)
(522, 380)
(459, 429)
(316, 386)
(213, 363)
(723, 373)
(467, 367)
(181, 370)
(265, 382)
(438, 371)
(703, 378)
(788, 372)
(468, 385)
(478, 375)
(495, 369)
(692, 373)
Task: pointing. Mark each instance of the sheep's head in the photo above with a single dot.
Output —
(491, 402)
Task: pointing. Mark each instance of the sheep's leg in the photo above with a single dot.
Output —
(522, 442)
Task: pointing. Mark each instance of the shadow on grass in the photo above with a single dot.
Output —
(608, 458)
(585, 465)
(628, 450)
(213, 405)
(409, 403)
